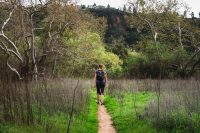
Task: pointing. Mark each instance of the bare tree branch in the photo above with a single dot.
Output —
(2, 47)
(38, 28)
(195, 54)
(7, 39)
(7, 51)
(13, 69)
(193, 67)
(49, 32)
(149, 23)
(14, 46)
(7, 20)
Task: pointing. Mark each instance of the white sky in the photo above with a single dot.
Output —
(194, 4)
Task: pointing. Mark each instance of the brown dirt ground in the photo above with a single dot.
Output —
(105, 123)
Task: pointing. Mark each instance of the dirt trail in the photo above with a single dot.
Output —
(105, 123)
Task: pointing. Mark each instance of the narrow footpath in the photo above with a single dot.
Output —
(105, 123)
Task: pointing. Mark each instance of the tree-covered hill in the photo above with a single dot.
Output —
(52, 39)
(128, 30)
(118, 26)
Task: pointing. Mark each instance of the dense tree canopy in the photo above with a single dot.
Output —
(60, 39)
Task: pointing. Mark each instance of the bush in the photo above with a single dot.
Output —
(155, 60)
(87, 51)
(134, 64)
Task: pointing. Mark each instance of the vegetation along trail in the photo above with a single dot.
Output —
(50, 49)
(105, 123)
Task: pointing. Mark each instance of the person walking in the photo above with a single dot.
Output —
(100, 81)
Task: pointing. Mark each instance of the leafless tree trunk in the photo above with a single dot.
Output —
(153, 30)
(72, 108)
(180, 34)
(29, 114)
(33, 50)
(136, 10)
(158, 96)
(54, 65)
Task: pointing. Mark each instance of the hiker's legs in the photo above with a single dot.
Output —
(101, 98)
(102, 93)
(98, 98)
(98, 92)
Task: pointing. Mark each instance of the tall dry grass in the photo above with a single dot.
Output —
(176, 101)
(46, 96)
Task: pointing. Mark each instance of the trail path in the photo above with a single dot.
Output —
(105, 123)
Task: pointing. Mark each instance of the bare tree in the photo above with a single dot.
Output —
(148, 11)
(14, 51)
(151, 13)
(180, 34)
(142, 13)
(25, 50)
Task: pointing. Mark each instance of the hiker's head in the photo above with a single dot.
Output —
(100, 66)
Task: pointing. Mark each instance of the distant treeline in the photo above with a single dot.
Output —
(129, 36)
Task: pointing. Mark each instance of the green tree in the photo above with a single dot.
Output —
(86, 51)
(124, 8)
(94, 5)
(192, 15)
(150, 12)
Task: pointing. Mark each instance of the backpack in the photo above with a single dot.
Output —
(100, 75)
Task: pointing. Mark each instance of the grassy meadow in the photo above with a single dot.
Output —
(165, 106)
(135, 106)
(52, 108)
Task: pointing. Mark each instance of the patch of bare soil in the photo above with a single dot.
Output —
(105, 123)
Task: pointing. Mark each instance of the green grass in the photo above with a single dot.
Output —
(180, 121)
(87, 123)
(84, 122)
(50, 124)
(127, 114)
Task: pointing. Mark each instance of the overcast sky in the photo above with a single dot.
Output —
(194, 4)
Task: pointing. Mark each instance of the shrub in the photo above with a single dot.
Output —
(155, 60)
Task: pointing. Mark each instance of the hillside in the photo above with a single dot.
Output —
(118, 26)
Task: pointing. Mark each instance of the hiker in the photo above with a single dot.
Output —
(100, 81)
